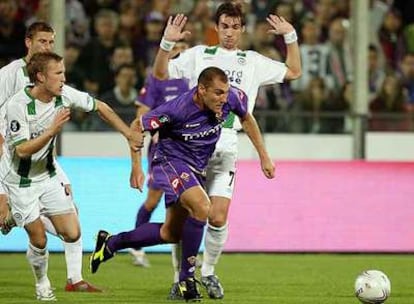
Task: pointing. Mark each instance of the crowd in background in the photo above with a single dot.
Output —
(111, 44)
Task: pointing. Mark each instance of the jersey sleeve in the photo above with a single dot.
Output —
(7, 85)
(76, 99)
(238, 102)
(17, 123)
(159, 117)
(147, 94)
(268, 71)
(184, 65)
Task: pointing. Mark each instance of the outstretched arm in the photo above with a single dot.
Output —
(135, 139)
(252, 130)
(281, 27)
(137, 176)
(173, 33)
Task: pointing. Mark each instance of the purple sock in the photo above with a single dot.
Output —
(191, 239)
(145, 235)
(143, 216)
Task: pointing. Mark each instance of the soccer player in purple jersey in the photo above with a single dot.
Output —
(189, 127)
(154, 93)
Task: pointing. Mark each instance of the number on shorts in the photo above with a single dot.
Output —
(231, 173)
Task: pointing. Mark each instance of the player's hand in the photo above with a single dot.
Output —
(268, 167)
(61, 118)
(137, 178)
(136, 139)
(174, 28)
(279, 25)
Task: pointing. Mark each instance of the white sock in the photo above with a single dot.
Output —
(73, 257)
(176, 260)
(38, 260)
(48, 225)
(214, 243)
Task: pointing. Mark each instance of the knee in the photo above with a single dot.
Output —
(38, 240)
(201, 210)
(169, 236)
(217, 219)
(70, 236)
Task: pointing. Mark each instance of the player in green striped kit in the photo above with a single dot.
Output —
(14, 77)
(247, 70)
(35, 115)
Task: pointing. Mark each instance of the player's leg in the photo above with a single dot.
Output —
(61, 219)
(220, 187)
(196, 202)
(25, 208)
(38, 257)
(143, 216)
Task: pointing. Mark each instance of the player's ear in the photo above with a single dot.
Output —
(40, 77)
(28, 42)
(243, 28)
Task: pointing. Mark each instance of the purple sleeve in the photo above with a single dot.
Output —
(147, 93)
(158, 117)
(238, 102)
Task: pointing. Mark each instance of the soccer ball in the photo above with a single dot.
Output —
(372, 287)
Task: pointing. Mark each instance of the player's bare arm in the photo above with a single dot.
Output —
(30, 147)
(4, 209)
(252, 130)
(293, 62)
(173, 33)
(137, 176)
(135, 139)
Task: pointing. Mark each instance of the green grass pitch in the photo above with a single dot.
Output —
(247, 278)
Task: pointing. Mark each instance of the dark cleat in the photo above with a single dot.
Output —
(213, 286)
(101, 252)
(189, 290)
(175, 292)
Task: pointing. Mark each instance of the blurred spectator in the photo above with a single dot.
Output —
(73, 74)
(261, 8)
(392, 39)
(96, 55)
(130, 25)
(389, 102)
(313, 53)
(276, 97)
(285, 10)
(406, 74)
(203, 15)
(77, 23)
(41, 13)
(260, 37)
(376, 73)
(92, 7)
(12, 33)
(339, 65)
(324, 13)
(317, 111)
(146, 48)
(123, 95)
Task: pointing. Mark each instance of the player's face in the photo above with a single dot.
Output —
(54, 78)
(215, 95)
(40, 42)
(229, 31)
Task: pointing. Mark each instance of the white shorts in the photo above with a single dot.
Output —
(41, 198)
(221, 168)
(221, 173)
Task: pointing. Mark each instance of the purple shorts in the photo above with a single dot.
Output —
(174, 178)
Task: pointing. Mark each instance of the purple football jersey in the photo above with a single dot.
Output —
(188, 133)
(156, 92)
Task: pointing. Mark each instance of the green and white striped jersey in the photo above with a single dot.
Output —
(13, 77)
(27, 118)
(246, 70)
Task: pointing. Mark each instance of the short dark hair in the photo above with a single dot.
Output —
(208, 75)
(231, 10)
(38, 26)
(38, 64)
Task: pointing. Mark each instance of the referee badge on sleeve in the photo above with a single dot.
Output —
(14, 126)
